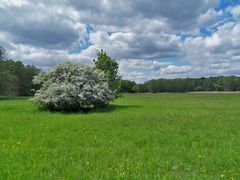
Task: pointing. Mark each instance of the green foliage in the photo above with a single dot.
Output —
(231, 83)
(16, 79)
(72, 87)
(127, 86)
(2, 53)
(221, 83)
(136, 88)
(7, 84)
(140, 136)
(109, 66)
(198, 88)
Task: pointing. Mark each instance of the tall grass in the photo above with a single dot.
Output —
(140, 136)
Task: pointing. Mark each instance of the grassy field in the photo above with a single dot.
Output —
(141, 136)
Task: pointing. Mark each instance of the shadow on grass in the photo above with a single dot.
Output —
(108, 108)
(14, 98)
(112, 107)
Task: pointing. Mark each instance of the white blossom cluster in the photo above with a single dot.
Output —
(72, 87)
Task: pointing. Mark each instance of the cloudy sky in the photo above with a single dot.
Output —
(149, 38)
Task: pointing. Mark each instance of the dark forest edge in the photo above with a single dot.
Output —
(16, 78)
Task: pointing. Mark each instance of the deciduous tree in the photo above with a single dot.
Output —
(109, 66)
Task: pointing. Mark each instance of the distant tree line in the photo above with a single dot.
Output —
(15, 78)
(221, 83)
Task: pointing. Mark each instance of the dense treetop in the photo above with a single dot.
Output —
(2, 53)
(109, 66)
(16, 78)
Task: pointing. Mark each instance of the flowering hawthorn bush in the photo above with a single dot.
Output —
(72, 87)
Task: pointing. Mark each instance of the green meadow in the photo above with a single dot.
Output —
(139, 136)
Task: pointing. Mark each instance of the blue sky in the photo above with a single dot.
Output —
(150, 39)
